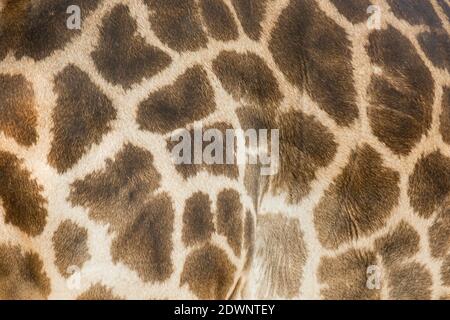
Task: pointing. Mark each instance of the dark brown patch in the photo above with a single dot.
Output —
(346, 276)
(98, 292)
(70, 245)
(359, 201)
(123, 57)
(314, 54)
(436, 45)
(445, 7)
(208, 273)
(188, 99)
(218, 169)
(145, 242)
(402, 98)
(219, 20)
(399, 244)
(177, 24)
(18, 117)
(80, 119)
(445, 116)
(197, 219)
(410, 281)
(38, 28)
(22, 275)
(354, 10)
(415, 12)
(230, 218)
(439, 232)
(305, 146)
(445, 272)
(21, 196)
(250, 13)
(246, 76)
(282, 249)
(430, 183)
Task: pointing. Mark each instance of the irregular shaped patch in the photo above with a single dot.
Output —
(70, 245)
(80, 119)
(436, 45)
(98, 292)
(115, 194)
(188, 99)
(22, 276)
(415, 12)
(18, 118)
(445, 272)
(230, 218)
(209, 273)
(445, 116)
(410, 281)
(145, 242)
(354, 10)
(123, 57)
(439, 232)
(177, 24)
(250, 13)
(219, 20)
(197, 219)
(21, 197)
(429, 184)
(345, 276)
(247, 77)
(359, 201)
(314, 54)
(188, 170)
(37, 28)
(282, 252)
(305, 146)
(399, 244)
(401, 99)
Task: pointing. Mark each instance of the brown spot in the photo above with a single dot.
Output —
(354, 10)
(145, 242)
(250, 13)
(314, 54)
(439, 232)
(208, 273)
(177, 24)
(80, 119)
(399, 244)
(445, 116)
(98, 292)
(281, 248)
(359, 201)
(38, 28)
(345, 276)
(70, 245)
(21, 196)
(123, 57)
(219, 20)
(402, 97)
(436, 45)
(230, 218)
(22, 275)
(247, 77)
(410, 281)
(430, 183)
(189, 170)
(188, 99)
(305, 146)
(445, 272)
(197, 219)
(18, 117)
(415, 12)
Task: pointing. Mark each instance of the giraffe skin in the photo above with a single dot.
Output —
(92, 207)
